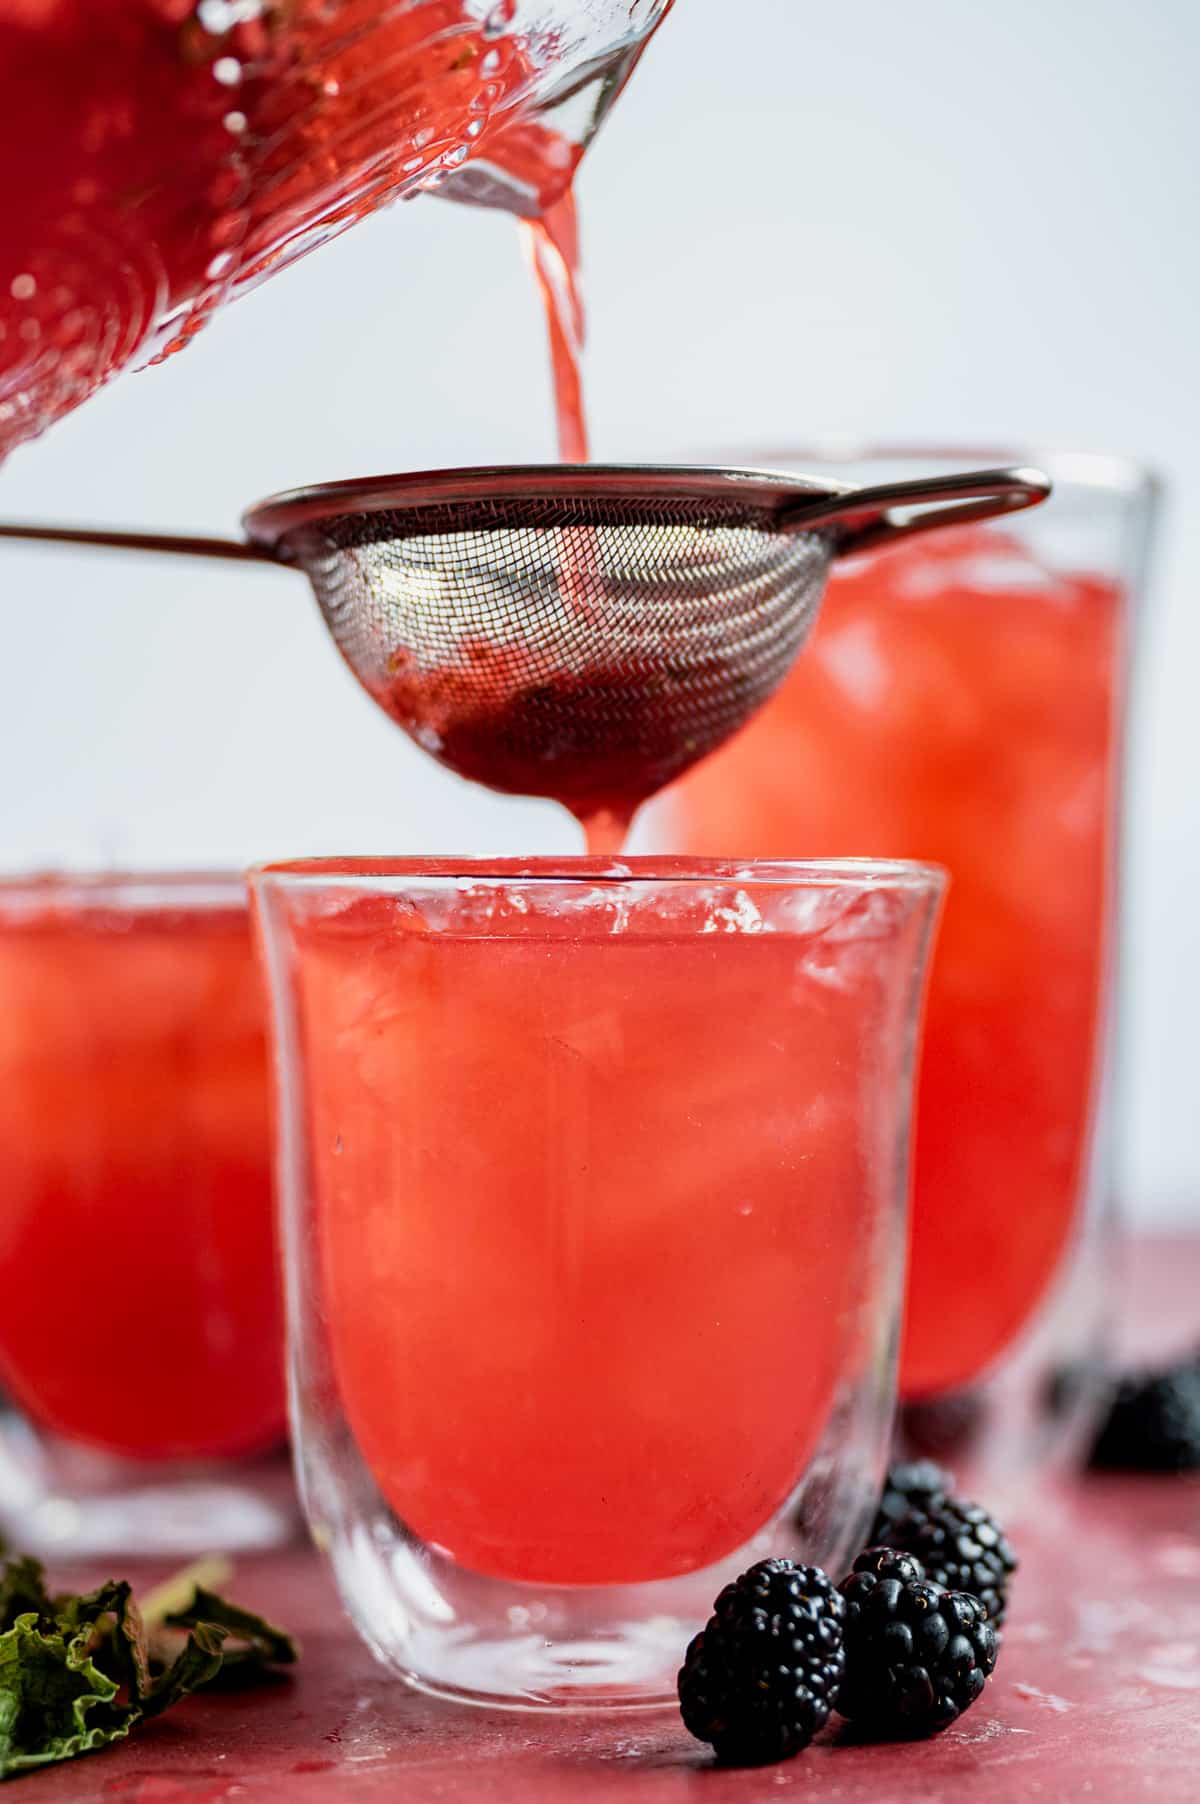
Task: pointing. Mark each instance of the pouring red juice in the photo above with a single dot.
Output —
(160, 156)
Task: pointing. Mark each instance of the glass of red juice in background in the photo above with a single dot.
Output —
(963, 700)
(594, 1182)
(141, 1350)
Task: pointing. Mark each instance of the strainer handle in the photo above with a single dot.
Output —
(174, 544)
(863, 519)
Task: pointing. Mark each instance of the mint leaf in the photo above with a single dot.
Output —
(23, 1589)
(54, 1701)
(118, 1650)
(76, 1673)
(197, 1664)
(176, 1593)
(253, 1646)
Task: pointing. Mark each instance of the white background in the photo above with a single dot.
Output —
(929, 220)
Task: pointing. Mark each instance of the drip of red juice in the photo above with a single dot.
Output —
(605, 829)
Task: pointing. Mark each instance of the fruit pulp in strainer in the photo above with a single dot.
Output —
(593, 1188)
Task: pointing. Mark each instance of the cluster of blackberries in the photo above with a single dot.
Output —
(960, 1546)
(901, 1648)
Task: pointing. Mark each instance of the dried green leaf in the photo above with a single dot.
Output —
(55, 1702)
(22, 1590)
(118, 1648)
(252, 1642)
(197, 1664)
(76, 1673)
(175, 1593)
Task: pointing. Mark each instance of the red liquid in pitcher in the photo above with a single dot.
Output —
(955, 703)
(159, 153)
(587, 1196)
(141, 1311)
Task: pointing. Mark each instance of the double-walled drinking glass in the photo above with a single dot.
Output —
(594, 1182)
(963, 699)
(141, 1335)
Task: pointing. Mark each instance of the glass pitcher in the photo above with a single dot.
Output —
(160, 156)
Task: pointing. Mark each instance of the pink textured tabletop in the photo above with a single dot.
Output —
(1096, 1698)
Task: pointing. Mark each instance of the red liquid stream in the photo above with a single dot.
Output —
(605, 830)
(552, 242)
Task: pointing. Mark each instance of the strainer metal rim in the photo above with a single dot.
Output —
(271, 521)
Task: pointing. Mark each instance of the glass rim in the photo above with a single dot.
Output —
(369, 873)
(131, 889)
(1114, 472)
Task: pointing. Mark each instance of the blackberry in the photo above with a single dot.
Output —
(962, 1548)
(917, 1656)
(760, 1678)
(911, 1485)
(1154, 1423)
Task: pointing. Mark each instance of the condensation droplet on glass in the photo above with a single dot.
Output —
(501, 16)
(23, 287)
(413, 163)
(331, 86)
(235, 123)
(489, 62)
(216, 17)
(453, 157)
(423, 137)
(228, 71)
(473, 128)
(745, 1208)
(219, 266)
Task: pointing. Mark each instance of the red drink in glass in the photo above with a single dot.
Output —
(583, 1317)
(960, 701)
(593, 1182)
(137, 1256)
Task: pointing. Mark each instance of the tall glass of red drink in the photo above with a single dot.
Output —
(963, 699)
(141, 1337)
(594, 1181)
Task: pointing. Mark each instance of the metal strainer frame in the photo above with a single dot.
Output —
(860, 519)
(585, 632)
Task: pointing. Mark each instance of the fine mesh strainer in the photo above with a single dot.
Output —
(585, 633)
